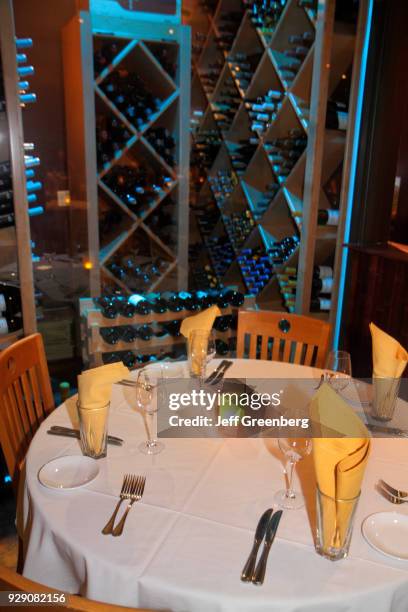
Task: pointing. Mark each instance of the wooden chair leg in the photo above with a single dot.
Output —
(20, 556)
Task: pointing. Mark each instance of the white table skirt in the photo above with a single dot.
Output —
(185, 543)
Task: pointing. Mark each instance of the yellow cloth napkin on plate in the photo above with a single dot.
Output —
(202, 321)
(339, 462)
(94, 392)
(389, 357)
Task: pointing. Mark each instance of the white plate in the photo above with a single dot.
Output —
(68, 472)
(387, 532)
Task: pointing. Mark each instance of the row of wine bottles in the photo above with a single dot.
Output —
(113, 305)
(138, 276)
(322, 287)
(137, 186)
(132, 96)
(23, 72)
(147, 331)
(7, 215)
(133, 360)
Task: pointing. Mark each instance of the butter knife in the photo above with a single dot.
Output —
(56, 430)
(259, 574)
(246, 574)
(392, 431)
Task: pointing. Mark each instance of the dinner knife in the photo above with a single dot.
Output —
(57, 430)
(392, 431)
(221, 373)
(246, 574)
(217, 370)
(259, 574)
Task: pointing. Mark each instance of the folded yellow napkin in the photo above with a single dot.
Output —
(389, 357)
(202, 321)
(339, 461)
(94, 392)
(95, 385)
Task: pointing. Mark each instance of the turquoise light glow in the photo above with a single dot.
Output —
(353, 167)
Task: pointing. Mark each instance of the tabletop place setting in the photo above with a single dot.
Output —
(324, 506)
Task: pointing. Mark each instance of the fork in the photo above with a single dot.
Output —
(391, 498)
(136, 493)
(124, 494)
(391, 490)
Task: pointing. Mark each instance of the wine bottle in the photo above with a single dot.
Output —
(10, 300)
(9, 325)
(319, 304)
(110, 335)
(336, 117)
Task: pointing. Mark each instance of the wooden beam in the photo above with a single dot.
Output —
(315, 150)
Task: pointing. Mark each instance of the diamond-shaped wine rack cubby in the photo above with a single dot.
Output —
(261, 82)
(128, 144)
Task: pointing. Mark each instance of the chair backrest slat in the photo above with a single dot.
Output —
(295, 338)
(25, 398)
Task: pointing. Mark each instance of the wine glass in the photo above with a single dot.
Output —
(147, 383)
(294, 450)
(338, 364)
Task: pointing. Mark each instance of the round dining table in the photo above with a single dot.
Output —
(186, 541)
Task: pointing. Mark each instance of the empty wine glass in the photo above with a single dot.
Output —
(147, 383)
(294, 450)
(338, 364)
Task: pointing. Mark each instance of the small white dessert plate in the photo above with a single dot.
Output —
(68, 472)
(387, 532)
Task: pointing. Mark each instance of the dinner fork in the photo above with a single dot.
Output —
(124, 494)
(391, 490)
(391, 498)
(136, 493)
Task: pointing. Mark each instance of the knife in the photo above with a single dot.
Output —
(217, 370)
(393, 431)
(259, 574)
(221, 373)
(246, 574)
(57, 430)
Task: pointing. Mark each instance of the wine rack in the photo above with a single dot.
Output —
(18, 165)
(266, 155)
(137, 351)
(127, 91)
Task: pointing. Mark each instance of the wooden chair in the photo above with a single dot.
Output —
(25, 398)
(282, 337)
(10, 581)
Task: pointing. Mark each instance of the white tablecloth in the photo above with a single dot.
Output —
(185, 543)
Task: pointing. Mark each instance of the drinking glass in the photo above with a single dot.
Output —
(294, 450)
(147, 383)
(338, 364)
(201, 349)
(93, 430)
(335, 518)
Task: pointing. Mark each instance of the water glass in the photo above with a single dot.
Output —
(93, 430)
(384, 398)
(201, 349)
(338, 364)
(335, 518)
